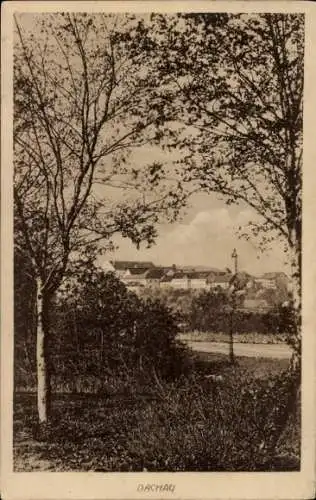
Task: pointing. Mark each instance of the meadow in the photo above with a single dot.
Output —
(218, 418)
(251, 337)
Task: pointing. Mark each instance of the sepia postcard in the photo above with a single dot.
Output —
(158, 267)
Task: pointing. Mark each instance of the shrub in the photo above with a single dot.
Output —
(208, 313)
(202, 424)
(191, 424)
(156, 344)
(101, 331)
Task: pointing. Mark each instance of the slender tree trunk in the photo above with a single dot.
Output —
(231, 336)
(295, 291)
(43, 374)
(294, 373)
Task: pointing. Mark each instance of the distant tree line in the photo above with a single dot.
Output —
(207, 311)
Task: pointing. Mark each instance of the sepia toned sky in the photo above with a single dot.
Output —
(205, 234)
(206, 237)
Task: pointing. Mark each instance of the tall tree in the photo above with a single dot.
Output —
(238, 95)
(83, 99)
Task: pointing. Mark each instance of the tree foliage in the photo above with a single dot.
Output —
(237, 87)
(102, 332)
(134, 335)
(83, 98)
(238, 91)
(82, 101)
(224, 91)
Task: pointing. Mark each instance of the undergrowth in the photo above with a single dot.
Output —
(198, 423)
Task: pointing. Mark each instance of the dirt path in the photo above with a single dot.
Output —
(279, 351)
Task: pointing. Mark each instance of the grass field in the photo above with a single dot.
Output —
(248, 367)
(187, 426)
(253, 338)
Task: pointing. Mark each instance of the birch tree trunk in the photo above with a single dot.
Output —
(42, 361)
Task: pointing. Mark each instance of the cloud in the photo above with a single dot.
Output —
(206, 239)
(216, 224)
(214, 220)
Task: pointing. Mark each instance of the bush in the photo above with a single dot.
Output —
(208, 425)
(101, 331)
(209, 313)
(156, 346)
(191, 424)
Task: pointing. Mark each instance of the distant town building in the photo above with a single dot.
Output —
(266, 283)
(134, 271)
(134, 286)
(273, 280)
(119, 267)
(221, 281)
(139, 274)
(139, 278)
(165, 282)
(180, 280)
(256, 305)
(154, 277)
(199, 280)
(168, 270)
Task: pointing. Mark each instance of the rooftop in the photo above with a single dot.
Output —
(155, 273)
(136, 271)
(198, 275)
(134, 276)
(180, 275)
(122, 265)
(166, 279)
(273, 276)
(222, 279)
